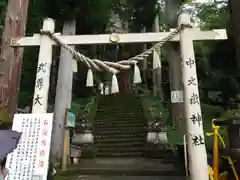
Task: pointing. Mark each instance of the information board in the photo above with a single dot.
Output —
(29, 161)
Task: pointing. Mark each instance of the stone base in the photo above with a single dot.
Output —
(84, 138)
(157, 137)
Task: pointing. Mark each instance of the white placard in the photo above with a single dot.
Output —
(177, 96)
(74, 66)
(30, 160)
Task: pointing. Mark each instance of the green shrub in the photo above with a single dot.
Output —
(210, 111)
(85, 107)
(152, 106)
(78, 105)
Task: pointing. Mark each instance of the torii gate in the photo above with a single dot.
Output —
(195, 135)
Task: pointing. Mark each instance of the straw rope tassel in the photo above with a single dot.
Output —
(136, 75)
(156, 60)
(101, 88)
(89, 82)
(114, 88)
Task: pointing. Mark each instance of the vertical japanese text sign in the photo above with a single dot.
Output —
(40, 99)
(30, 159)
(196, 146)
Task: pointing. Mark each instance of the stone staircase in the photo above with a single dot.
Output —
(120, 131)
(120, 127)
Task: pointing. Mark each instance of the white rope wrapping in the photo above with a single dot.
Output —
(113, 67)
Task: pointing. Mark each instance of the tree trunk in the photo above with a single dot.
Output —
(10, 59)
(234, 6)
(172, 7)
(144, 63)
(53, 80)
(157, 73)
(176, 84)
(63, 93)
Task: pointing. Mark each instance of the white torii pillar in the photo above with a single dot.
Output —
(40, 99)
(197, 154)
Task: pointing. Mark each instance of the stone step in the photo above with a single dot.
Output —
(119, 125)
(120, 98)
(99, 124)
(119, 95)
(124, 167)
(119, 144)
(123, 109)
(115, 140)
(128, 98)
(123, 154)
(119, 111)
(119, 108)
(122, 131)
(120, 118)
(127, 137)
(120, 101)
(128, 94)
(166, 154)
(118, 104)
(116, 109)
(119, 114)
(120, 149)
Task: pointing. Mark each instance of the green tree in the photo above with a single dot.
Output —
(215, 60)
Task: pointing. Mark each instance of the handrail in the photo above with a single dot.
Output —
(210, 173)
(230, 161)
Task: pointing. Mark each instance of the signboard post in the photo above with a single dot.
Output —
(70, 123)
(30, 159)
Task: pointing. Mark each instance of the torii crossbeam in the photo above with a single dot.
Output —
(215, 34)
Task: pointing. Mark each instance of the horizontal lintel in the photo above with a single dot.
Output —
(197, 34)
